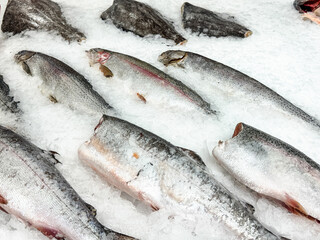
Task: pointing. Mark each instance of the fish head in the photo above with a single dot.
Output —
(22, 58)
(98, 55)
(173, 57)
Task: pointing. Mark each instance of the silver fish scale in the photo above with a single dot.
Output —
(173, 177)
(38, 193)
(229, 78)
(250, 135)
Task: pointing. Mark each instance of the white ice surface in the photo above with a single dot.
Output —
(282, 53)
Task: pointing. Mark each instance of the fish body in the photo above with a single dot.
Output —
(272, 168)
(146, 80)
(61, 83)
(6, 101)
(21, 15)
(32, 189)
(140, 19)
(160, 174)
(203, 21)
(233, 83)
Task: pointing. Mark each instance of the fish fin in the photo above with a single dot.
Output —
(52, 156)
(92, 209)
(53, 99)
(26, 68)
(3, 200)
(116, 236)
(294, 206)
(50, 232)
(2, 209)
(141, 97)
(192, 155)
(106, 71)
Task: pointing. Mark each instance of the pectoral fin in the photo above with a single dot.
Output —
(141, 97)
(26, 68)
(192, 155)
(53, 99)
(106, 71)
(92, 209)
(294, 206)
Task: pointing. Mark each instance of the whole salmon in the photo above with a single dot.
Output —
(160, 174)
(273, 168)
(32, 189)
(61, 83)
(233, 83)
(146, 80)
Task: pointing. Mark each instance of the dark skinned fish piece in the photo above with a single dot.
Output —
(272, 168)
(146, 79)
(203, 21)
(6, 102)
(32, 189)
(21, 15)
(140, 19)
(160, 174)
(229, 81)
(61, 83)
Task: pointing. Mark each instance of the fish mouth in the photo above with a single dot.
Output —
(175, 58)
(23, 56)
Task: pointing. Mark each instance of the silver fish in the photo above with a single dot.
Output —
(272, 168)
(141, 19)
(61, 83)
(22, 15)
(203, 21)
(229, 81)
(6, 101)
(160, 174)
(145, 79)
(32, 189)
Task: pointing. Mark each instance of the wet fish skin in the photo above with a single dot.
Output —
(203, 21)
(32, 189)
(21, 15)
(6, 101)
(232, 81)
(306, 5)
(61, 83)
(140, 19)
(145, 74)
(273, 168)
(160, 174)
